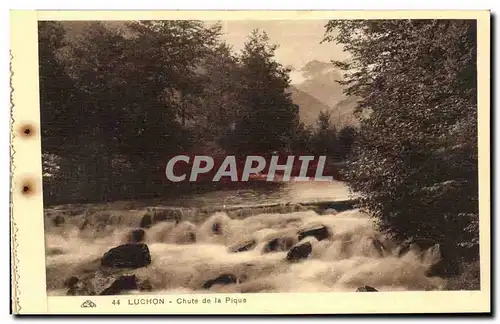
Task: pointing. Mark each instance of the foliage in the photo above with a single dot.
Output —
(469, 277)
(269, 117)
(347, 136)
(327, 140)
(57, 98)
(116, 103)
(416, 160)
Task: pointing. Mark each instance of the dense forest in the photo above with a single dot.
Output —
(415, 160)
(117, 102)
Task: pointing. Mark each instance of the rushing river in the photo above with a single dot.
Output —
(187, 254)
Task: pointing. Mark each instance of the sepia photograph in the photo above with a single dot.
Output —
(236, 157)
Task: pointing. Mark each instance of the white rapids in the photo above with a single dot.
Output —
(345, 261)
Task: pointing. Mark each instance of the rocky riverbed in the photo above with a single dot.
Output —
(317, 247)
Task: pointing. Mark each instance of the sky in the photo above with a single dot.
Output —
(298, 40)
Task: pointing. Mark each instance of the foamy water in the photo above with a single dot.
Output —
(346, 260)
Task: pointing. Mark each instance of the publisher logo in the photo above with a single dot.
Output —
(88, 304)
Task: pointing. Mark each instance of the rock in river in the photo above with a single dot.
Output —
(243, 246)
(71, 282)
(107, 281)
(216, 228)
(224, 279)
(320, 232)
(167, 215)
(123, 283)
(136, 236)
(366, 289)
(127, 256)
(58, 220)
(299, 252)
(279, 244)
(146, 221)
(162, 215)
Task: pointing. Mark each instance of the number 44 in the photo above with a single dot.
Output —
(116, 302)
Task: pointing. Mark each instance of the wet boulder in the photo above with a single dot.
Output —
(146, 221)
(102, 222)
(127, 256)
(299, 252)
(144, 285)
(320, 232)
(167, 215)
(58, 220)
(123, 283)
(366, 289)
(216, 228)
(81, 289)
(243, 246)
(107, 281)
(161, 215)
(71, 282)
(279, 244)
(224, 279)
(54, 251)
(136, 236)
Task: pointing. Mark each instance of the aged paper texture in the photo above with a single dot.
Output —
(250, 162)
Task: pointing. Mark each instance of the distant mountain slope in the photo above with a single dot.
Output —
(343, 112)
(309, 106)
(319, 81)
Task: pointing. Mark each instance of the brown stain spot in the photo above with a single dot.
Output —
(26, 130)
(28, 187)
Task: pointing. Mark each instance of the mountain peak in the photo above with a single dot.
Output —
(317, 89)
(316, 66)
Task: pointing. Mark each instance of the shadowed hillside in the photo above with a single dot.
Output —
(316, 89)
(309, 106)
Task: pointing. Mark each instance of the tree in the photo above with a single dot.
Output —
(346, 139)
(57, 95)
(138, 90)
(326, 135)
(59, 113)
(416, 160)
(301, 141)
(269, 116)
(94, 61)
(219, 105)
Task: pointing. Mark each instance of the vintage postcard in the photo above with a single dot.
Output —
(250, 162)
